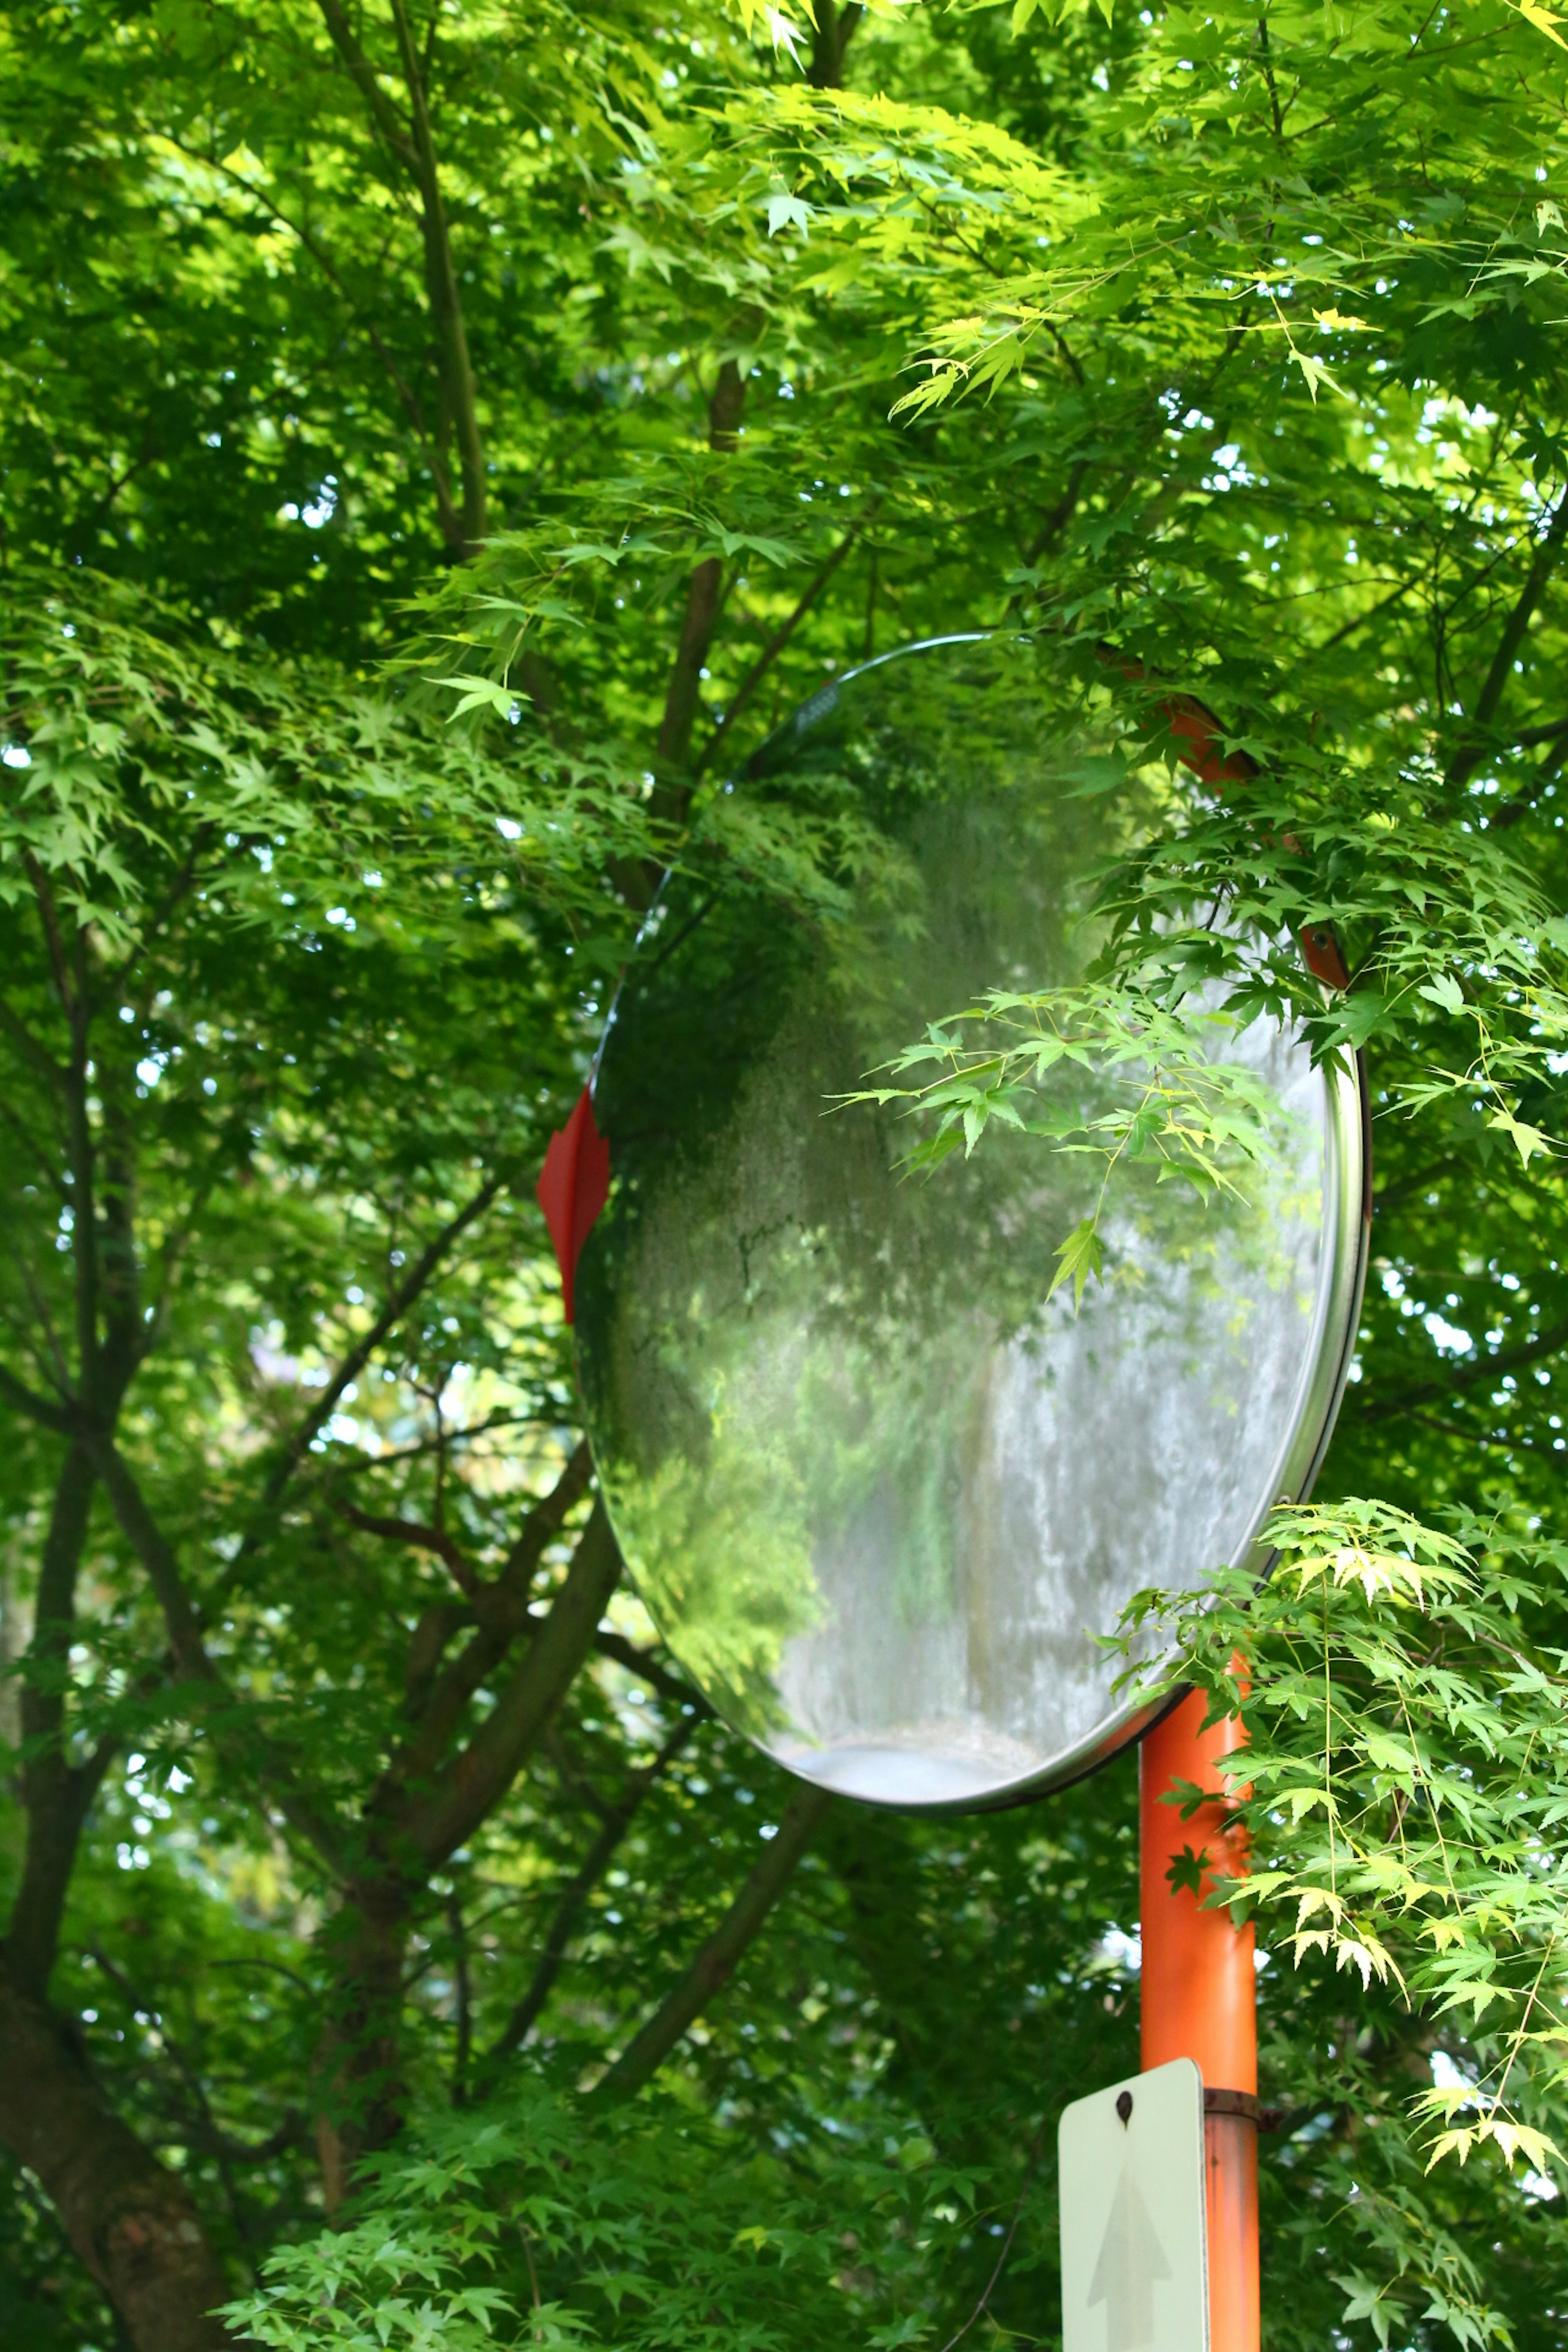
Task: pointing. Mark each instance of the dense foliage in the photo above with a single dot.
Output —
(436, 444)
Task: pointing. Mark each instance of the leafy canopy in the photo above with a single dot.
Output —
(435, 448)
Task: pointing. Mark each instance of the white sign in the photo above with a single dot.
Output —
(1134, 2251)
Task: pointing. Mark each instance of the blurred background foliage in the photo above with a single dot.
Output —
(435, 444)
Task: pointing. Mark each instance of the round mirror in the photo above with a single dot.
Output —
(880, 1486)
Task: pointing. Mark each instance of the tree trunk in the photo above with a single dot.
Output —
(131, 2222)
(362, 2093)
(831, 33)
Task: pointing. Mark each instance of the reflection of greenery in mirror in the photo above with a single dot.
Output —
(717, 1544)
(1143, 1087)
(800, 1337)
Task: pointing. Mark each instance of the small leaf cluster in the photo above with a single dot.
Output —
(1406, 1708)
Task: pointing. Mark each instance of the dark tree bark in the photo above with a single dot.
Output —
(55, 1793)
(362, 2092)
(411, 144)
(422, 1810)
(133, 2223)
(1477, 741)
(832, 31)
(704, 593)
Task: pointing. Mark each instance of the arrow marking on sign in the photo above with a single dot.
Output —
(1130, 2261)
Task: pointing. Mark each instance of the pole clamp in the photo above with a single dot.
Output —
(1217, 2102)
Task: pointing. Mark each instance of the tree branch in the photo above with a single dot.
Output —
(435, 1820)
(133, 2224)
(358, 1355)
(569, 1909)
(647, 1669)
(1359, 620)
(413, 147)
(1468, 1376)
(1473, 749)
(1530, 736)
(832, 30)
(423, 1446)
(421, 1539)
(715, 1963)
(457, 1928)
(185, 879)
(781, 638)
(1006, 2246)
(81, 1150)
(47, 1170)
(36, 1408)
(157, 1557)
(1060, 515)
(383, 115)
(193, 2116)
(233, 1727)
(446, 302)
(52, 1352)
(1269, 77)
(124, 1330)
(36, 1055)
(502, 1611)
(56, 1794)
(449, 519)
(59, 961)
(683, 693)
(543, 1524)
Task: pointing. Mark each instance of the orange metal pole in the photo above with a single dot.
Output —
(1199, 1999)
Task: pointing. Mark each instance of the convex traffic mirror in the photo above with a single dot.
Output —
(879, 1488)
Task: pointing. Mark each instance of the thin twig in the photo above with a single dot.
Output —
(574, 1896)
(990, 2282)
(419, 1537)
(465, 1997)
(781, 638)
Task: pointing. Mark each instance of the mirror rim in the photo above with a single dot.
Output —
(1347, 1233)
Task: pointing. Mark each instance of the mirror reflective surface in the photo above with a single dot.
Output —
(878, 1491)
